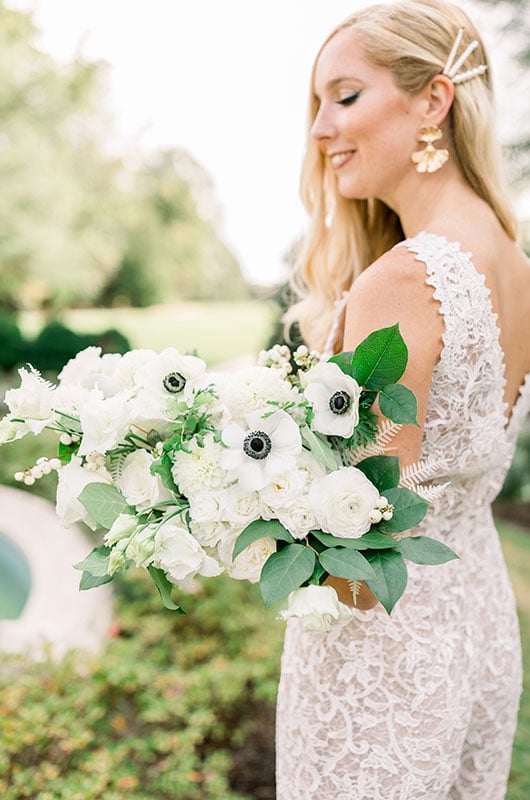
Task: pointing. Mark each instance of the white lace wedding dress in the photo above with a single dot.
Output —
(422, 705)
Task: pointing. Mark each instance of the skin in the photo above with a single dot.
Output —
(378, 132)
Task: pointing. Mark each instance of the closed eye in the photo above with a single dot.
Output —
(348, 101)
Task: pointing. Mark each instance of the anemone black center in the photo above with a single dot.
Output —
(174, 382)
(340, 402)
(257, 444)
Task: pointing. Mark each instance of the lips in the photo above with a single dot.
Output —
(339, 159)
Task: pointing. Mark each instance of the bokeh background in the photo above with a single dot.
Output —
(149, 159)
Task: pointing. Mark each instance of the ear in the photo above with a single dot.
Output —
(438, 96)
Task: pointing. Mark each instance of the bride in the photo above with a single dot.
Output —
(410, 214)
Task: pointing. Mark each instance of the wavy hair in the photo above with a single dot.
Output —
(413, 39)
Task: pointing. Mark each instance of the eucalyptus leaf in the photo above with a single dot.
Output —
(164, 587)
(409, 510)
(320, 448)
(285, 571)
(423, 550)
(399, 404)
(380, 359)
(89, 581)
(391, 577)
(96, 563)
(259, 529)
(344, 563)
(104, 503)
(382, 471)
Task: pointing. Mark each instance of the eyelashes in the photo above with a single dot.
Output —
(348, 101)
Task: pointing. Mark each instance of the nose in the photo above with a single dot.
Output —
(323, 127)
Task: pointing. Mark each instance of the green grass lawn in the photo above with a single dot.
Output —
(217, 331)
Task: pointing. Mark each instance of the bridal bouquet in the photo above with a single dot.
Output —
(267, 473)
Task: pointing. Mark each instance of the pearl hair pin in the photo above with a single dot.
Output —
(451, 67)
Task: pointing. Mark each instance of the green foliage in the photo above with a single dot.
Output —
(11, 341)
(516, 485)
(157, 714)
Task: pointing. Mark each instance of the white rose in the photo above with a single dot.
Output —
(33, 401)
(249, 563)
(335, 399)
(140, 488)
(104, 421)
(181, 557)
(205, 507)
(343, 502)
(317, 606)
(299, 518)
(208, 534)
(122, 529)
(199, 470)
(72, 480)
(240, 508)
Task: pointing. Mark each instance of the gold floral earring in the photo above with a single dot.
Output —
(430, 159)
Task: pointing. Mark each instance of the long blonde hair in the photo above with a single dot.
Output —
(413, 39)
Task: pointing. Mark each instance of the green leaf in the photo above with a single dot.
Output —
(89, 581)
(423, 550)
(344, 563)
(391, 577)
(96, 563)
(343, 360)
(285, 571)
(382, 471)
(257, 530)
(373, 540)
(380, 359)
(409, 510)
(104, 503)
(399, 404)
(320, 448)
(164, 587)
(337, 541)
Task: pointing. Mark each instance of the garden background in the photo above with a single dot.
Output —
(128, 249)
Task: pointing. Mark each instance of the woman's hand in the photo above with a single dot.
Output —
(365, 599)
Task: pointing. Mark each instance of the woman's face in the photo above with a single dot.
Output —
(365, 125)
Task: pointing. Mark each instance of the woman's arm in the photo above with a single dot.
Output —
(393, 289)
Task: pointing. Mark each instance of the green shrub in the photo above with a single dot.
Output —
(11, 341)
(56, 344)
(157, 714)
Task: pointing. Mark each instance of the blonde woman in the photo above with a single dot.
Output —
(409, 214)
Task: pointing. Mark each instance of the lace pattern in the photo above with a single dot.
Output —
(422, 705)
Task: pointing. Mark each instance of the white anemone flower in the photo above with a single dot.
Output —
(261, 449)
(171, 375)
(335, 399)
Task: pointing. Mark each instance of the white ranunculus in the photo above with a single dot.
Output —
(140, 488)
(317, 606)
(181, 556)
(250, 389)
(208, 534)
(171, 376)
(141, 548)
(298, 518)
(343, 502)
(261, 449)
(72, 480)
(122, 529)
(284, 490)
(248, 564)
(240, 508)
(200, 470)
(33, 401)
(104, 422)
(335, 399)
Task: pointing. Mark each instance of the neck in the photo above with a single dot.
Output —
(425, 201)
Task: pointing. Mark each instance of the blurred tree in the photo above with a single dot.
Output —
(77, 224)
